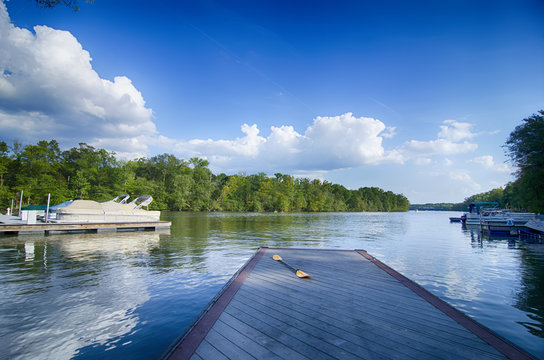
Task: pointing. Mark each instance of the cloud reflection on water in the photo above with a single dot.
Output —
(83, 299)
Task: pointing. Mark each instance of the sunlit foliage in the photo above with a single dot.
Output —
(175, 184)
(525, 146)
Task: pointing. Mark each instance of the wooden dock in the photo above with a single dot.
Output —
(536, 225)
(352, 307)
(49, 228)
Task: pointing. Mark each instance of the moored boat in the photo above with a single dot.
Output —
(115, 210)
(497, 227)
(486, 213)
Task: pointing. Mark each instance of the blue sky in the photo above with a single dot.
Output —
(413, 97)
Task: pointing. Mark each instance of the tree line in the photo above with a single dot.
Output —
(503, 197)
(175, 184)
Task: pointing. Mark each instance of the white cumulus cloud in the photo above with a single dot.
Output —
(458, 178)
(455, 131)
(344, 140)
(465, 179)
(48, 89)
(488, 162)
(330, 142)
(452, 139)
(423, 161)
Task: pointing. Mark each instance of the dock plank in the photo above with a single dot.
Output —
(320, 327)
(434, 317)
(227, 347)
(402, 301)
(381, 302)
(315, 328)
(207, 351)
(352, 282)
(352, 307)
(275, 328)
(379, 331)
(315, 338)
(251, 345)
(252, 330)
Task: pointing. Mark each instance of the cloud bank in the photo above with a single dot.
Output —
(48, 89)
(328, 143)
(452, 139)
(488, 162)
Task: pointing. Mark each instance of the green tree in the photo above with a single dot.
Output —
(6, 194)
(265, 195)
(36, 172)
(4, 161)
(201, 189)
(525, 146)
(495, 195)
(174, 184)
(98, 168)
(254, 183)
(179, 190)
(80, 184)
(228, 200)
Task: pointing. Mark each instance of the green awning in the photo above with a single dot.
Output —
(34, 207)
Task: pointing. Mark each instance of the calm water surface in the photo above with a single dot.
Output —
(94, 296)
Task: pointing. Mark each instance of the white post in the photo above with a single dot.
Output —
(21, 203)
(47, 208)
(11, 209)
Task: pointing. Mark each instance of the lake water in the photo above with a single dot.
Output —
(129, 295)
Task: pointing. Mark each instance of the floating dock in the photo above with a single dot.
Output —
(49, 228)
(534, 229)
(352, 307)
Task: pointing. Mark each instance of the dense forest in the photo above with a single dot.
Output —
(175, 184)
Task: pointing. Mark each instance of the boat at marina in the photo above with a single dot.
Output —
(486, 213)
(475, 210)
(115, 210)
(497, 227)
(487, 217)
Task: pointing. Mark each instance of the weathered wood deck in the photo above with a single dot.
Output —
(536, 225)
(352, 307)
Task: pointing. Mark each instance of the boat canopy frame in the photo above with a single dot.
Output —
(479, 205)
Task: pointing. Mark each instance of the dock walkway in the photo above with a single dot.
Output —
(18, 228)
(352, 307)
